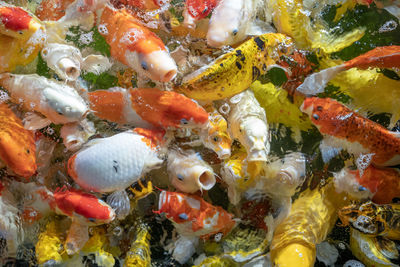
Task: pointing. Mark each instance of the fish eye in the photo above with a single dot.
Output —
(184, 121)
(180, 177)
(235, 31)
(215, 138)
(144, 65)
(183, 216)
(315, 116)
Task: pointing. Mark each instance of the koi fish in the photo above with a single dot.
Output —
(248, 124)
(311, 218)
(147, 106)
(215, 135)
(381, 184)
(67, 61)
(17, 145)
(21, 37)
(192, 216)
(136, 46)
(188, 172)
(49, 243)
(372, 219)
(196, 10)
(235, 71)
(139, 252)
(230, 22)
(58, 102)
(379, 57)
(144, 4)
(344, 128)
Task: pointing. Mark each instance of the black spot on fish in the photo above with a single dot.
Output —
(264, 67)
(28, 151)
(221, 64)
(115, 166)
(255, 72)
(238, 52)
(260, 43)
(238, 65)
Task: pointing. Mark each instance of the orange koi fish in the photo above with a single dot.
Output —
(143, 4)
(145, 106)
(52, 9)
(379, 57)
(192, 216)
(197, 9)
(344, 128)
(382, 184)
(21, 37)
(17, 145)
(136, 46)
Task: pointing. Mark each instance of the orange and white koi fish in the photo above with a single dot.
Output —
(136, 46)
(147, 106)
(192, 216)
(188, 172)
(17, 145)
(380, 184)
(248, 124)
(21, 37)
(144, 4)
(196, 10)
(344, 128)
(380, 57)
(59, 102)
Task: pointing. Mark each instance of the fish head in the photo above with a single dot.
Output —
(217, 137)
(17, 23)
(64, 107)
(177, 206)
(254, 132)
(84, 207)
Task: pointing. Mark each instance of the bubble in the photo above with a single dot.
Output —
(86, 38)
(388, 26)
(3, 96)
(102, 29)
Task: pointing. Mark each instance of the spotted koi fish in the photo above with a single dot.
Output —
(192, 216)
(342, 127)
(147, 106)
(235, 71)
(136, 46)
(17, 145)
(380, 57)
(21, 37)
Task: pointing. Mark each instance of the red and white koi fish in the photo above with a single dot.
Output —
(380, 184)
(144, 4)
(147, 106)
(196, 10)
(188, 172)
(136, 46)
(192, 216)
(59, 102)
(379, 57)
(344, 128)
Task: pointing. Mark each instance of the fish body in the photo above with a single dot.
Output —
(188, 172)
(17, 145)
(373, 219)
(147, 106)
(58, 102)
(235, 71)
(248, 124)
(192, 216)
(353, 132)
(113, 163)
(136, 46)
(21, 37)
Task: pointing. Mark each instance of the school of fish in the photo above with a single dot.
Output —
(200, 133)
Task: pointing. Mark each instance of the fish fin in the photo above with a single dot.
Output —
(77, 237)
(316, 82)
(328, 152)
(34, 121)
(387, 247)
(258, 27)
(96, 64)
(119, 201)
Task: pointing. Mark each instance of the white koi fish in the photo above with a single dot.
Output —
(58, 102)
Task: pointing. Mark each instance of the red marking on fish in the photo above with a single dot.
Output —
(200, 9)
(195, 215)
(335, 119)
(15, 18)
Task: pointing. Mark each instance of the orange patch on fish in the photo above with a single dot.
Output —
(379, 57)
(108, 105)
(153, 138)
(52, 9)
(17, 145)
(384, 183)
(166, 108)
(334, 119)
